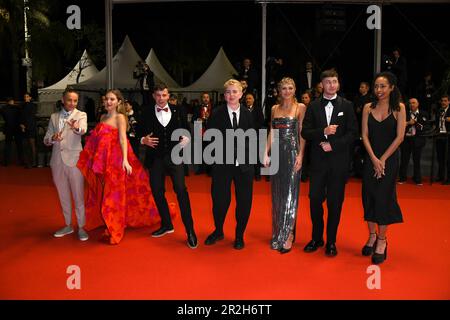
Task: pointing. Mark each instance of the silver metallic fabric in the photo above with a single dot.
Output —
(285, 184)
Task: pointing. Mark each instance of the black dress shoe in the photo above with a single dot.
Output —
(213, 238)
(239, 244)
(192, 240)
(331, 250)
(162, 231)
(313, 245)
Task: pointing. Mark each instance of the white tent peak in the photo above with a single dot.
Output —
(85, 67)
(49, 95)
(160, 74)
(215, 76)
(124, 63)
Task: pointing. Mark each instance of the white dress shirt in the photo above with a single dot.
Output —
(163, 116)
(309, 76)
(230, 114)
(329, 109)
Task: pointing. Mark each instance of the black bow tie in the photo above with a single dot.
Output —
(325, 102)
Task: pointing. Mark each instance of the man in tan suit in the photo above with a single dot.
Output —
(64, 132)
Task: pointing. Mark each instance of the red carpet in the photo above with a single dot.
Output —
(34, 263)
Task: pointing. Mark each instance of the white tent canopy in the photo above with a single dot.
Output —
(215, 76)
(85, 68)
(160, 74)
(124, 63)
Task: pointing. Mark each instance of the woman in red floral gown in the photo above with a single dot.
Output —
(119, 193)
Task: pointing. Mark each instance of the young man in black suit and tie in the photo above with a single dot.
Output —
(330, 126)
(231, 116)
(156, 127)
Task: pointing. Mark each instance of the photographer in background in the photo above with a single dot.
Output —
(397, 65)
(144, 75)
(132, 127)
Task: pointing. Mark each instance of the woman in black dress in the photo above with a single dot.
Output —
(383, 129)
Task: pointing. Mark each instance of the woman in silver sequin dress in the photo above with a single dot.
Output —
(287, 118)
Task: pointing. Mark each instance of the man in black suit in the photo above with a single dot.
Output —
(443, 127)
(416, 124)
(156, 127)
(308, 78)
(330, 126)
(231, 116)
(146, 80)
(399, 67)
(11, 114)
(248, 73)
(28, 127)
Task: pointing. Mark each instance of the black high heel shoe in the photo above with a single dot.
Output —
(368, 250)
(378, 258)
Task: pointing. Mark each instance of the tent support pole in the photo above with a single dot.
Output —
(109, 46)
(263, 55)
(377, 44)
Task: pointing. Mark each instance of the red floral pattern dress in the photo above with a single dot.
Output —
(114, 198)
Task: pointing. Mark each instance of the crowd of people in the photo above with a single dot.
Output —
(321, 137)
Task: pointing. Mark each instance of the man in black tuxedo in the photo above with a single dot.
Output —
(330, 126)
(308, 78)
(416, 124)
(443, 127)
(231, 116)
(156, 127)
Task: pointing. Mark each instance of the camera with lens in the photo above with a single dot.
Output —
(141, 70)
(387, 62)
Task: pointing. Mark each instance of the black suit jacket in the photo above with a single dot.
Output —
(447, 124)
(421, 127)
(148, 123)
(28, 116)
(257, 115)
(315, 122)
(220, 120)
(303, 81)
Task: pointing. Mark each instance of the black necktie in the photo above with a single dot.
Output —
(235, 125)
(235, 138)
